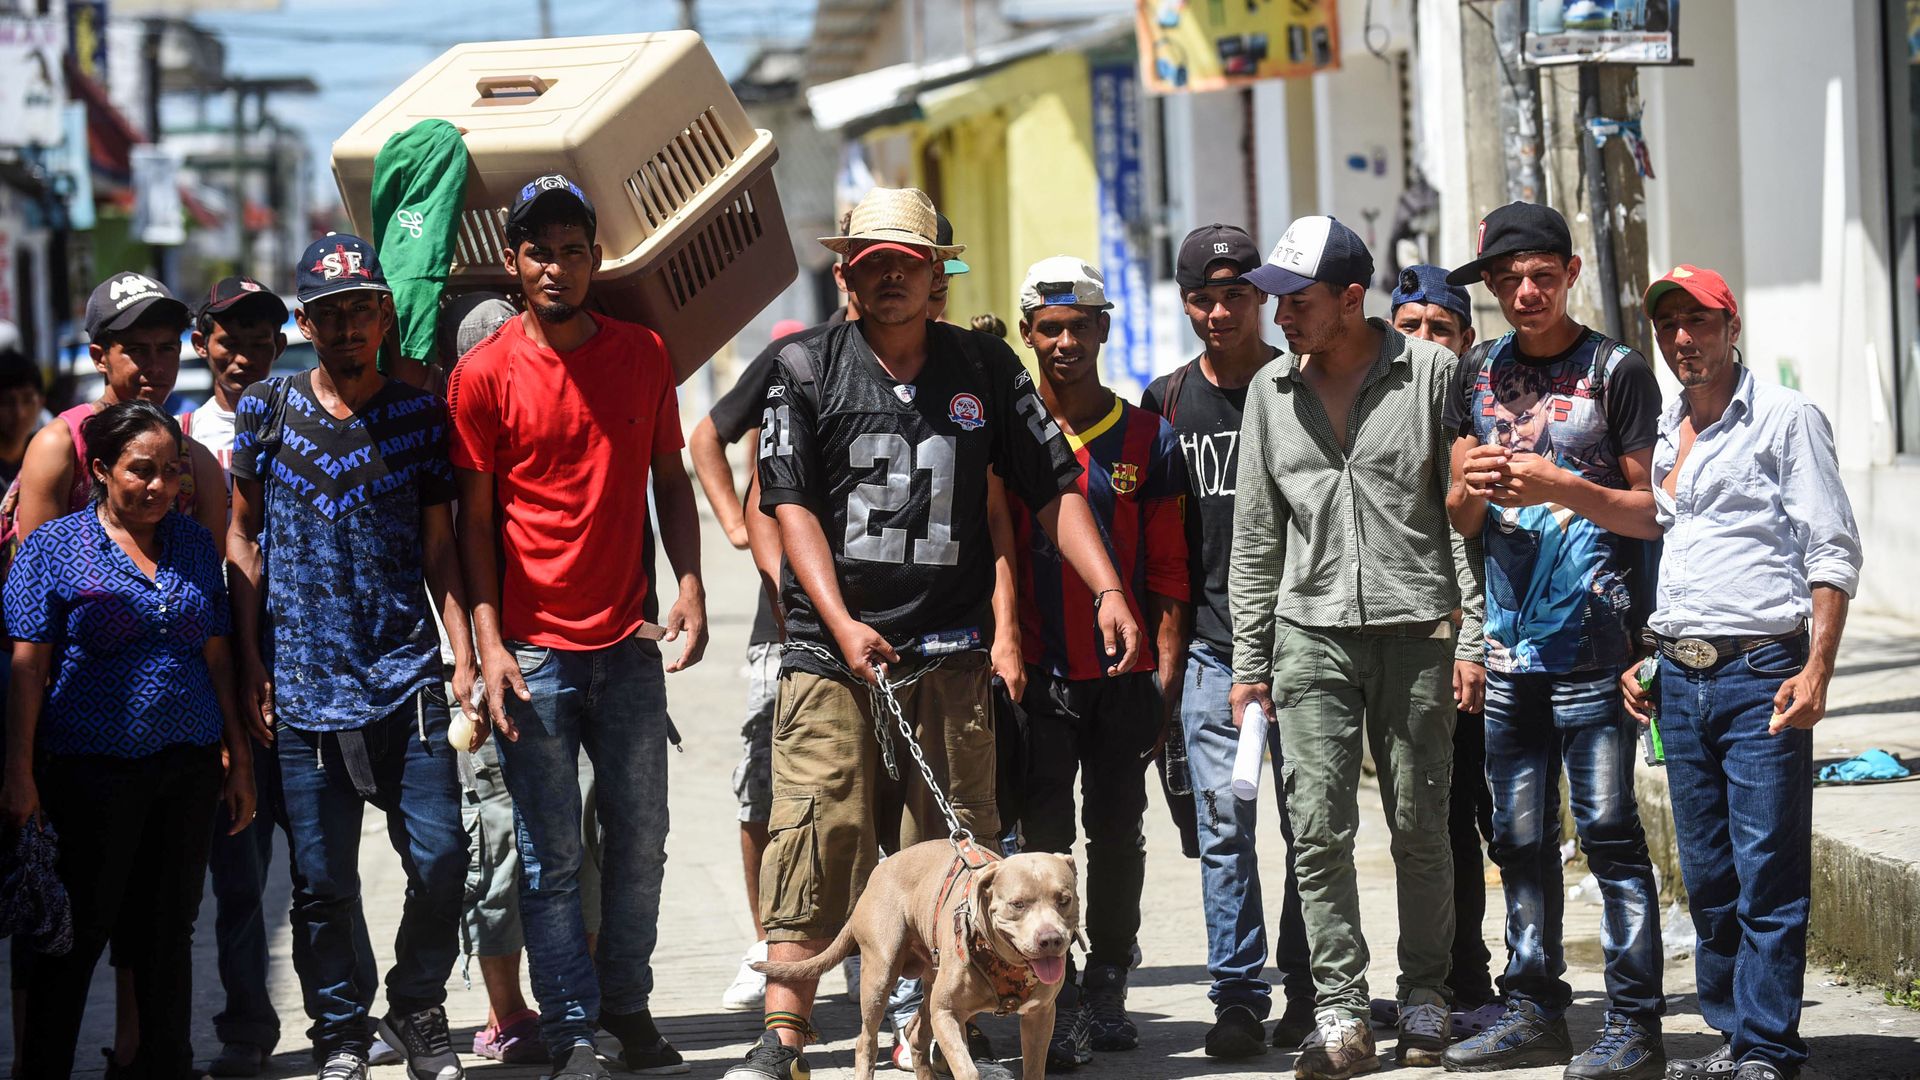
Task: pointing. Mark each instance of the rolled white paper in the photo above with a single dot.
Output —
(1252, 753)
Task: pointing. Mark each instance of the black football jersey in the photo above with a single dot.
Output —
(897, 474)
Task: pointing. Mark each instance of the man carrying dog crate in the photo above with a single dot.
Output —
(875, 447)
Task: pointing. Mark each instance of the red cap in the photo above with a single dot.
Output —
(888, 245)
(787, 326)
(1705, 286)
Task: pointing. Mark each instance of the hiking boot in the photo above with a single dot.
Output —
(1755, 1069)
(514, 1040)
(1295, 1024)
(1423, 1034)
(1718, 1065)
(578, 1063)
(1627, 1050)
(1236, 1033)
(642, 1048)
(766, 1059)
(1339, 1046)
(1104, 991)
(1522, 1039)
(422, 1039)
(238, 1059)
(749, 988)
(342, 1065)
(1072, 1043)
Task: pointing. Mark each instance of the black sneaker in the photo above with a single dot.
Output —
(1295, 1024)
(1104, 991)
(1627, 1050)
(578, 1063)
(343, 1065)
(642, 1048)
(423, 1044)
(1236, 1033)
(1718, 1065)
(1072, 1043)
(238, 1059)
(769, 1058)
(1522, 1039)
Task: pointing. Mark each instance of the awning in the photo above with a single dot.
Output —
(890, 94)
(110, 137)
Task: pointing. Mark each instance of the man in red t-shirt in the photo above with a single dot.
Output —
(558, 419)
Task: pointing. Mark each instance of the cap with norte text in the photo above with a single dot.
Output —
(231, 292)
(1314, 248)
(125, 298)
(1511, 229)
(1210, 244)
(1704, 285)
(1425, 284)
(545, 189)
(337, 263)
(1063, 280)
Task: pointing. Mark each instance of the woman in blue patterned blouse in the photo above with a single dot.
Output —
(121, 701)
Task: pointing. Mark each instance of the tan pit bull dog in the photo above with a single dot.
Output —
(993, 933)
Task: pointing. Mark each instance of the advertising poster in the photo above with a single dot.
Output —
(1602, 31)
(1122, 261)
(33, 82)
(1190, 45)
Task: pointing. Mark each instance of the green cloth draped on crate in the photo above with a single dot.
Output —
(419, 187)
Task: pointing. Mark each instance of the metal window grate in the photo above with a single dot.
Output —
(711, 250)
(676, 175)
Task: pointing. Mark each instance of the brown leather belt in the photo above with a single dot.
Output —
(1700, 653)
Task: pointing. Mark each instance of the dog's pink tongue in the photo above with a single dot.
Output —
(1051, 969)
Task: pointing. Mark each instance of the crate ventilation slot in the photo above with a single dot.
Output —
(711, 250)
(675, 176)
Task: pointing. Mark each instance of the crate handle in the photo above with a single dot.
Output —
(509, 89)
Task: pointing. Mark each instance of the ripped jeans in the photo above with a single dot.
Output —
(1534, 724)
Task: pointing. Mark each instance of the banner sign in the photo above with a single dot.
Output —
(33, 81)
(1193, 45)
(1602, 32)
(1122, 208)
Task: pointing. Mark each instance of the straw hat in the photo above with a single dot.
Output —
(894, 216)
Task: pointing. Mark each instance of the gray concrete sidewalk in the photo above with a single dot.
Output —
(705, 925)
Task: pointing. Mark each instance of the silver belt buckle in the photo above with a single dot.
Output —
(1695, 653)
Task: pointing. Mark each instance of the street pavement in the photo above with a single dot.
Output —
(704, 927)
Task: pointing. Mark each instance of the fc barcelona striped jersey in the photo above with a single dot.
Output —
(1134, 479)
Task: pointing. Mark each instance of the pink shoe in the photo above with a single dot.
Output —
(515, 1041)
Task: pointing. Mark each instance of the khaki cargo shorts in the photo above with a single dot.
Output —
(834, 807)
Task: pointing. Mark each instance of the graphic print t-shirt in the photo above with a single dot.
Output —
(897, 474)
(348, 634)
(1206, 420)
(1558, 588)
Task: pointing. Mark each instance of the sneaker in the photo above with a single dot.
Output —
(423, 1038)
(1718, 1065)
(1236, 1033)
(1340, 1046)
(514, 1040)
(1296, 1023)
(1627, 1050)
(642, 1048)
(1423, 1033)
(381, 1052)
(238, 1059)
(902, 1055)
(1072, 1043)
(749, 989)
(1104, 1001)
(769, 1058)
(1470, 1022)
(343, 1066)
(1523, 1038)
(1755, 1069)
(578, 1063)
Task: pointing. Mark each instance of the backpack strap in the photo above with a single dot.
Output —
(800, 365)
(1176, 379)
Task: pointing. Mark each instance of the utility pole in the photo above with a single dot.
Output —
(1503, 144)
(546, 18)
(687, 15)
(1600, 191)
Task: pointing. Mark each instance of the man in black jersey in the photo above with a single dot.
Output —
(875, 447)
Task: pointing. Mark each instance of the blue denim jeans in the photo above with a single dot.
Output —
(1229, 865)
(237, 867)
(1743, 815)
(416, 784)
(1535, 723)
(612, 702)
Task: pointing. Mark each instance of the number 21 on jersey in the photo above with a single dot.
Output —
(935, 456)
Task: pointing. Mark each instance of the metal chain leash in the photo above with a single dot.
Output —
(885, 703)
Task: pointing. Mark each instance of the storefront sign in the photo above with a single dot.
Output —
(1123, 260)
(1602, 31)
(1214, 44)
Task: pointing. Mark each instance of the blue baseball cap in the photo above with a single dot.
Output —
(1424, 284)
(337, 263)
(1313, 249)
(544, 188)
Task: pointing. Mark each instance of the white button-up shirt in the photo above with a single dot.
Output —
(1756, 518)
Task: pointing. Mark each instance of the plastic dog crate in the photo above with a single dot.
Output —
(690, 225)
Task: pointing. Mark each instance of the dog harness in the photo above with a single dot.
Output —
(1012, 983)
